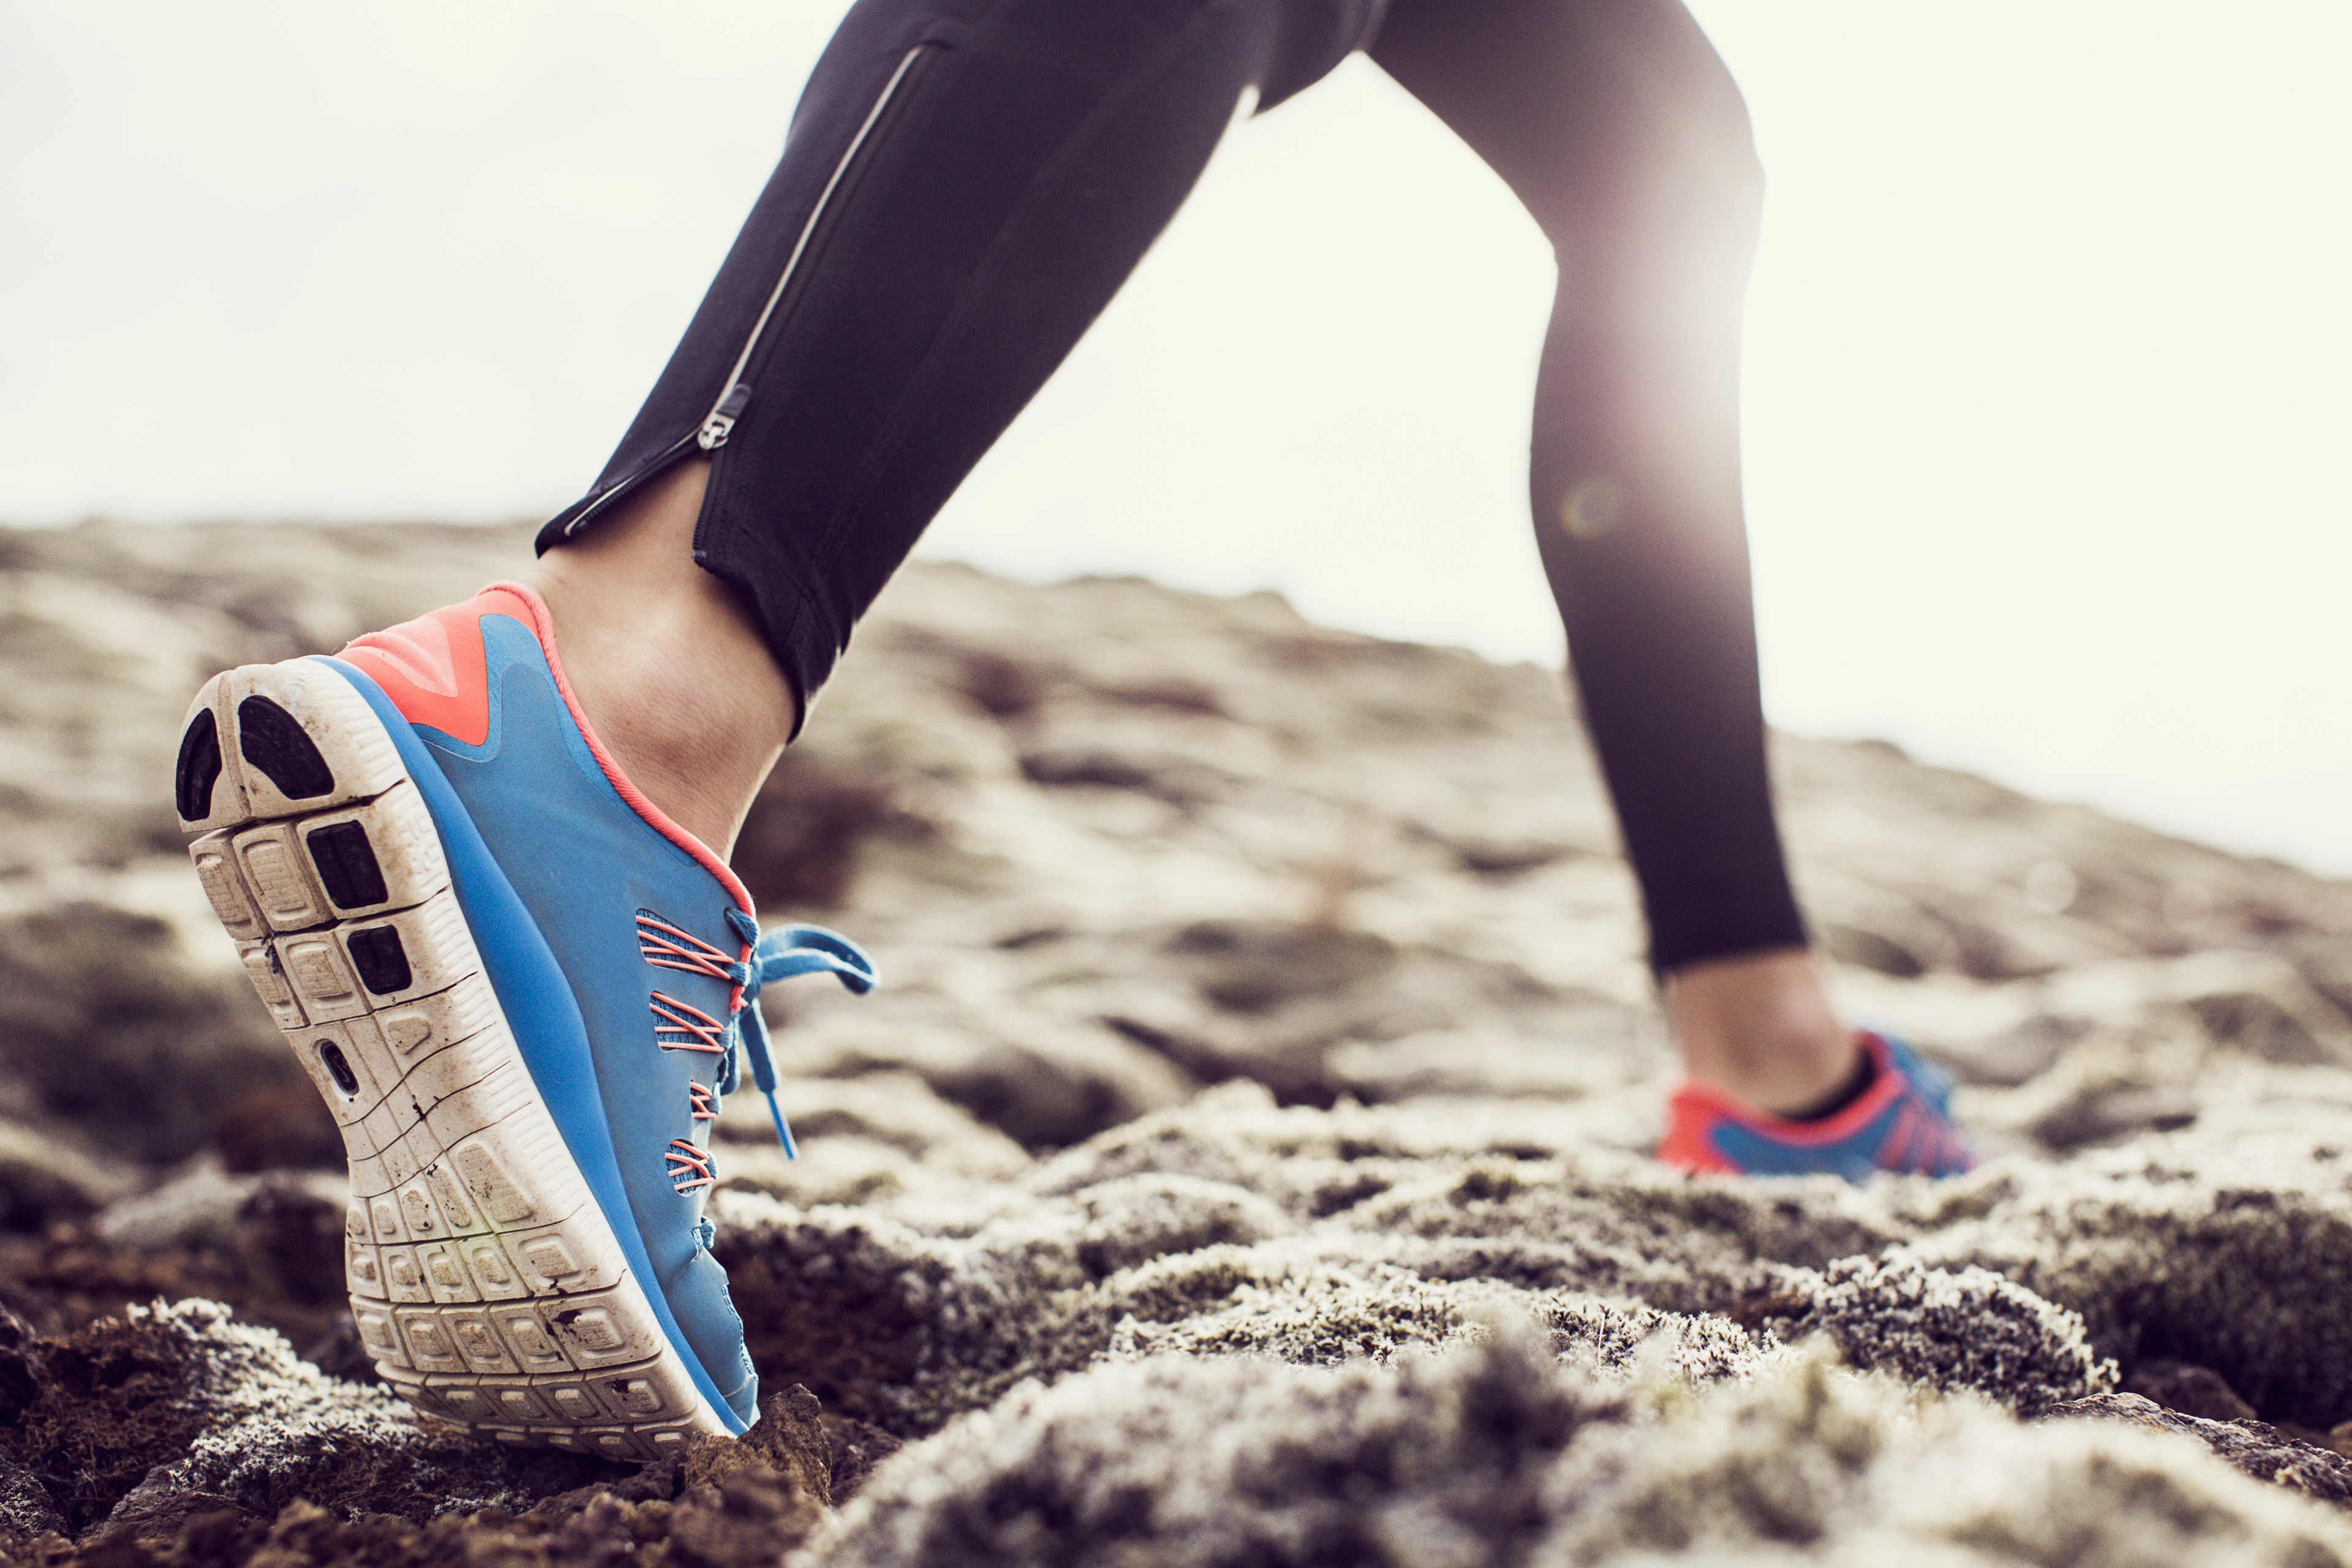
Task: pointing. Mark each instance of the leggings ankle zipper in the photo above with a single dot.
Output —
(719, 421)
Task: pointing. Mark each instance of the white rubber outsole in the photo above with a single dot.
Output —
(485, 1281)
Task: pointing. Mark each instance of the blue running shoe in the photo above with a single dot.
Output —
(522, 992)
(1903, 1121)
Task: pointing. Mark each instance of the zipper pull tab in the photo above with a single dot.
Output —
(713, 433)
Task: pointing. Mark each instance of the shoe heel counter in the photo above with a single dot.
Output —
(434, 668)
(1686, 1146)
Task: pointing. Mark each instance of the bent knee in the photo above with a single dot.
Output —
(1648, 144)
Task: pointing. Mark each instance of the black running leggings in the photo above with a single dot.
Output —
(968, 182)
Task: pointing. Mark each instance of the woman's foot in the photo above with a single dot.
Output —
(1777, 1085)
(1900, 1119)
(668, 661)
(520, 984)
(1758, 1026)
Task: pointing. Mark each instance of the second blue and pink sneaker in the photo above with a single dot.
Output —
(523, 992)
(1902, 1122)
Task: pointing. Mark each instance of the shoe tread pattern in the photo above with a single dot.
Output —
(485, 1282)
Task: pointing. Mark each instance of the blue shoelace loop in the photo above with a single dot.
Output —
(780, 954)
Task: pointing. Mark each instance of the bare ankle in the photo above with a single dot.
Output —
(1759, 1028)
(668, 661)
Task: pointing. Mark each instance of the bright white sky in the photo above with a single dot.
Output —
(2047, 376)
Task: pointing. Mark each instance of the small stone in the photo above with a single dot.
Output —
(2192, 1390)
(2255, 1447)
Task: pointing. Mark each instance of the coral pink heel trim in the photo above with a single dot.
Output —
(431, 668)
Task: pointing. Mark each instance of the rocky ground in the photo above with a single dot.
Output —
(1245, 1162)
